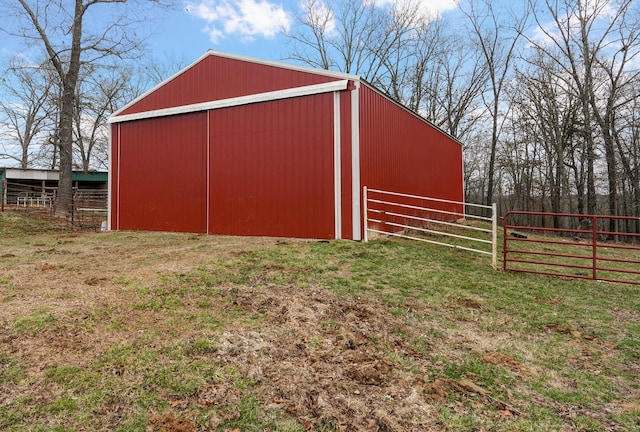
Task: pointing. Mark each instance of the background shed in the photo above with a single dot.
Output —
(240, 146)
(35, 187)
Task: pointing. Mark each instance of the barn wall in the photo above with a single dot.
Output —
(271, 168)
(268, 168)
(159, 181)
(401, 153)
(216, 78)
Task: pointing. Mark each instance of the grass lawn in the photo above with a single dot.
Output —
(134, 331)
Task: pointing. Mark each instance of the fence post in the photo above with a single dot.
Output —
(505, 223)
(494, 236)
(4, 193)
(365, 215)
(594, 237)
(72, 204)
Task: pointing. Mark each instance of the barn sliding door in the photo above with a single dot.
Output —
(160, 179)
(271, 168)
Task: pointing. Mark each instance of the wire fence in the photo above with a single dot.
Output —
(88, 209)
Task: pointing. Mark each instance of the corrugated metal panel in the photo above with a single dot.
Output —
(98, 176)
(401, 153)
(162, 174)
(216, 78)
(268, 168)
(271, 168)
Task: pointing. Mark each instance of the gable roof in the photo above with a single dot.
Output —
(339, 81)
(211, 53)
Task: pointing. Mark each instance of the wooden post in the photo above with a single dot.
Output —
(365, 214)
(594, 240)
(4, 193)
(494, 236)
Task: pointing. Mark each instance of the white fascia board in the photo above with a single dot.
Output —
(237, 101)
(306, 69)
(31, 174)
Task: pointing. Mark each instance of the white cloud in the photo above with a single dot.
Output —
(244, 18)
(597, 13)
(429, 8)
(546, 35)
(321, 15)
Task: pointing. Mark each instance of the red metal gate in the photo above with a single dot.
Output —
(587, 249)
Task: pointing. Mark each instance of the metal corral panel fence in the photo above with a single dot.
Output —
(397, 214)
(89, 206)
(25, 195)
(590, 251)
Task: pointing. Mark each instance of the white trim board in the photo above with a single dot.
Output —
(208, 200)
(355, 163)
(337, 174)
(109, 177)
(307, 69)
(236, 101)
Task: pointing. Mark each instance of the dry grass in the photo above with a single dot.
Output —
(177, 332)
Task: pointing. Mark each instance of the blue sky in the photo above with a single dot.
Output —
(180, 34)
(187, 33)
(190, 27)
(247, 27)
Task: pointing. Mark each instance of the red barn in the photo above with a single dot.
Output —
(240, 146)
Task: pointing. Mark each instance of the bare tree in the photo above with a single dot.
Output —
(497, 42)
(626, 133)
(98, 95)
(451, 82)
(416, 59)
(549, 111)
(24, 110)
(157, 69)
(337, 35)
(593, 44)
(59, 28)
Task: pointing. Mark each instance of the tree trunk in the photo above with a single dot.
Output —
(65, 185)
(492, 156)
(69, 81)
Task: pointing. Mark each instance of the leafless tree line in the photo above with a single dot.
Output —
(54, 109)
(31, 113)
(545, 97)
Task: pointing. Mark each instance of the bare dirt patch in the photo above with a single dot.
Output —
(319, 358)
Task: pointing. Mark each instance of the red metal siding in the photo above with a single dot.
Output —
(216, 78)
(401, 153)
(267, 168)
(162, 174)
(271, 167)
